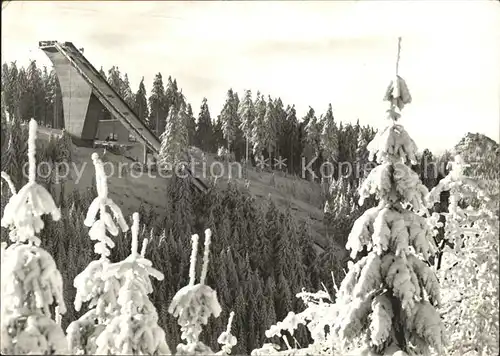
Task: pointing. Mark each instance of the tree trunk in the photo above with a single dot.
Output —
(246, 153)
(397, 321)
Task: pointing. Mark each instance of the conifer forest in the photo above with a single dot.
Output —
(400, 259)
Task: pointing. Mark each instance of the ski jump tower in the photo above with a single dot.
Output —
(85, 93)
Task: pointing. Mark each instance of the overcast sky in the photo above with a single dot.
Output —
(308, 53)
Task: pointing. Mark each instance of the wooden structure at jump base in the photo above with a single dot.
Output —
(85, 93)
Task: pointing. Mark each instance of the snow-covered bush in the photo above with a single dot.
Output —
(388, 299)
(194, 304)
(469, 273)
(133, 329)
(318, 317)
(226, 339)
(31, 283)
(93, 285)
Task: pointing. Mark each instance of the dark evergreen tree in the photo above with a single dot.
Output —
(291, 142)
(157, 114)
(229, 119)
(259, 134)
(103, 73)
(309, 257)
(204, 128)
(180, 194)
(140, 104)
(246, 112)
(35, 93)
(9, 87)
(171, 95)
(190, 125)
(271, 129)
(283, 298)
(329, 136)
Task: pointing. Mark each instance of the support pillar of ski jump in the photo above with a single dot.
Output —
(85, 93)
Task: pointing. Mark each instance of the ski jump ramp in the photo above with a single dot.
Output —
(85, 93)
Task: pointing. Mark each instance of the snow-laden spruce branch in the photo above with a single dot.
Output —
(31, 284)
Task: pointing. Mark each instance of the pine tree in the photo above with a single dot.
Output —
(232, 274)
(180, 198)
(171, 96)
(272, 236)
(55, 99)
(115, 80)
(292, 143)
(269, 293)
(126, 91)
(204, 128)
(240, 308)
(329, 139)
(309, 256)
(313, 131)
(229, 119)
(48, 103)
(23, 99)
(174, 140)
(35, 92)
(9, 87)
(15, 149)
(270, 125)
(140, 103)
(283, 297)
(157, 112)
(258, 135)
(390, 295)
(103, 73)
(190, 125)
(4, 116)
(246, 112)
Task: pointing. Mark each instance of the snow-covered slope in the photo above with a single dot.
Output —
(131, 188)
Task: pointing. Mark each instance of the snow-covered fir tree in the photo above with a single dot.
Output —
(174, 140)
(469, 271)
(133, 329)
(31, 284)
(93, 285)
(388, 299)
(318, 317)
(194, 304)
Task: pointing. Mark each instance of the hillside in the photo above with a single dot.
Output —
(483, 155)
(476, 144)
(130, 190)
